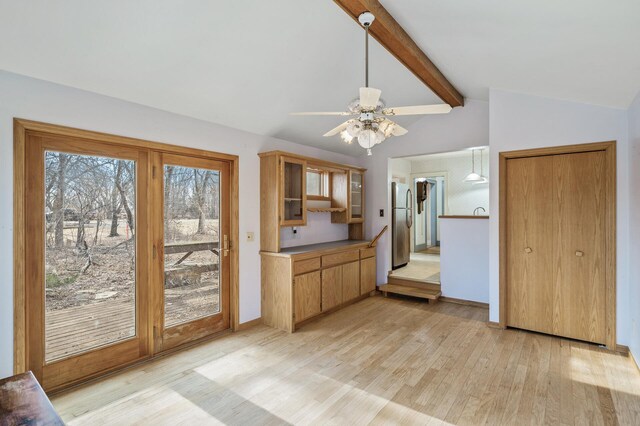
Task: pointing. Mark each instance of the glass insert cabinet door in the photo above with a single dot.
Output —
(294, 195)
(356, 193)
(85, 257)
(194, 241)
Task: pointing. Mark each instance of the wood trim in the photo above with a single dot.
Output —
(249, 324)
(496, 325)
(623, 349)
(395, 39)
(54, 129)
(234, 284)
(19, 250)
(464, 302)
(315, 162)
(462, 217)
(609, 148)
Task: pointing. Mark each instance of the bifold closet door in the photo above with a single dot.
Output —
(556, 242)
(579, 250)
(530, 235)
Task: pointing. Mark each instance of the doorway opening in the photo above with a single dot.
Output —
(438, 188)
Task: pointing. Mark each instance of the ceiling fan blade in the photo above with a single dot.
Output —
(418, 109)
(389, 128)
(369, 97)
(338, 129)
(321, 113)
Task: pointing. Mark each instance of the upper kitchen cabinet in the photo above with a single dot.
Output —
(348, 192)
(356, 196)
(293, 185)
(335, 189)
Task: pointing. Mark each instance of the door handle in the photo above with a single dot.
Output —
(528, 250)
(579, 253)
(225, 246)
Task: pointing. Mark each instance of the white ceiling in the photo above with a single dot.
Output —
(247, 64)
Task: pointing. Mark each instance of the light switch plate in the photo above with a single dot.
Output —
(250, 236)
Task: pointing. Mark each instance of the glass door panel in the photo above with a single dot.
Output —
(356, 195)
(90, 252)
(193, 228)
(294, 192)
(192, 236)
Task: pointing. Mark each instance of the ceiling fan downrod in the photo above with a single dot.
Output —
(366, 18)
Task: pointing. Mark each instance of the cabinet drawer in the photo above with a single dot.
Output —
(367, 252)
(340, 258)
(307, 265)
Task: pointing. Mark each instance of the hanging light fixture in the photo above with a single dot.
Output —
(483, 177)
(473, 176)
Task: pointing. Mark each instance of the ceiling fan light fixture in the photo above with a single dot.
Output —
(346, 137)
(367, 138)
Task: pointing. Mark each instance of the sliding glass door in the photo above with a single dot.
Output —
(126, 254)
(193, 237)
(87, 257)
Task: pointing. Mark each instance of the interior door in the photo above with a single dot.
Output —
(556, 242)
(579, 252)
(530, 236)
(191, 248)
(86, 257)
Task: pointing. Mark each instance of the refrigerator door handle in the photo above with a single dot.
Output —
(409, 209)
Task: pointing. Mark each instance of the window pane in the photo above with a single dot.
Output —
(314, 183)
(90, 258)
(192, 243)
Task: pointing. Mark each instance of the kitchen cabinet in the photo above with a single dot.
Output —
(307, 295)
(283, 195)
(300, 283)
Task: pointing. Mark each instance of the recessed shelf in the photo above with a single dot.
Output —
(326, 209)
(293, 199)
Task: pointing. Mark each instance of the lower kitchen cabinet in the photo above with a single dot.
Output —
(299, 285)
(331, 288)
(307, 299)
(367, 275)
(350, 281)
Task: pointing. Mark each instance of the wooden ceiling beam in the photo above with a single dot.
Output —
(395, 39)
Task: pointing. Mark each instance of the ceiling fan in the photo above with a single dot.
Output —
(370, 124)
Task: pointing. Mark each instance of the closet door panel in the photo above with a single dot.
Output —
(579, 250)
(530, 234)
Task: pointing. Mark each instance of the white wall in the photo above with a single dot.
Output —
(32, 99)
(634, 222)
(464, 259)
(462, 197)
(460, 129)
(521, 122)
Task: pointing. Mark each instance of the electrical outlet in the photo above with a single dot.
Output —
(250, 236)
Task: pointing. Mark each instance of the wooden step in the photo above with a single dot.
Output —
(410, 282)
(410, 291)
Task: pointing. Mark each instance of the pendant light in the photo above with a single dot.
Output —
(482, 176)
(473, 176)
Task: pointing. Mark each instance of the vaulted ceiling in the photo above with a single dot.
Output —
(247, 64)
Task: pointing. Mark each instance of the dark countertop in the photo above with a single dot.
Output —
(321, 246)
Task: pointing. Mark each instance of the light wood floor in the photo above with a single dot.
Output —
(421, 266)
(379, 361)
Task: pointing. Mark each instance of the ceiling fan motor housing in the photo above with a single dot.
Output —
(366, 18)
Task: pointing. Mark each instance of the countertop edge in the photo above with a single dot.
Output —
(462, 217)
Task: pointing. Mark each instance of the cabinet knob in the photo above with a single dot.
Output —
(579, 253)
(528, 250)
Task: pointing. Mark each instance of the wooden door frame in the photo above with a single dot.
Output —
(21, 128)
(609, 149)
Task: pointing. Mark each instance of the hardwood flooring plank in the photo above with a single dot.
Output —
(379, 361)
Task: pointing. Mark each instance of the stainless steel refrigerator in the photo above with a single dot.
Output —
(402, 220)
